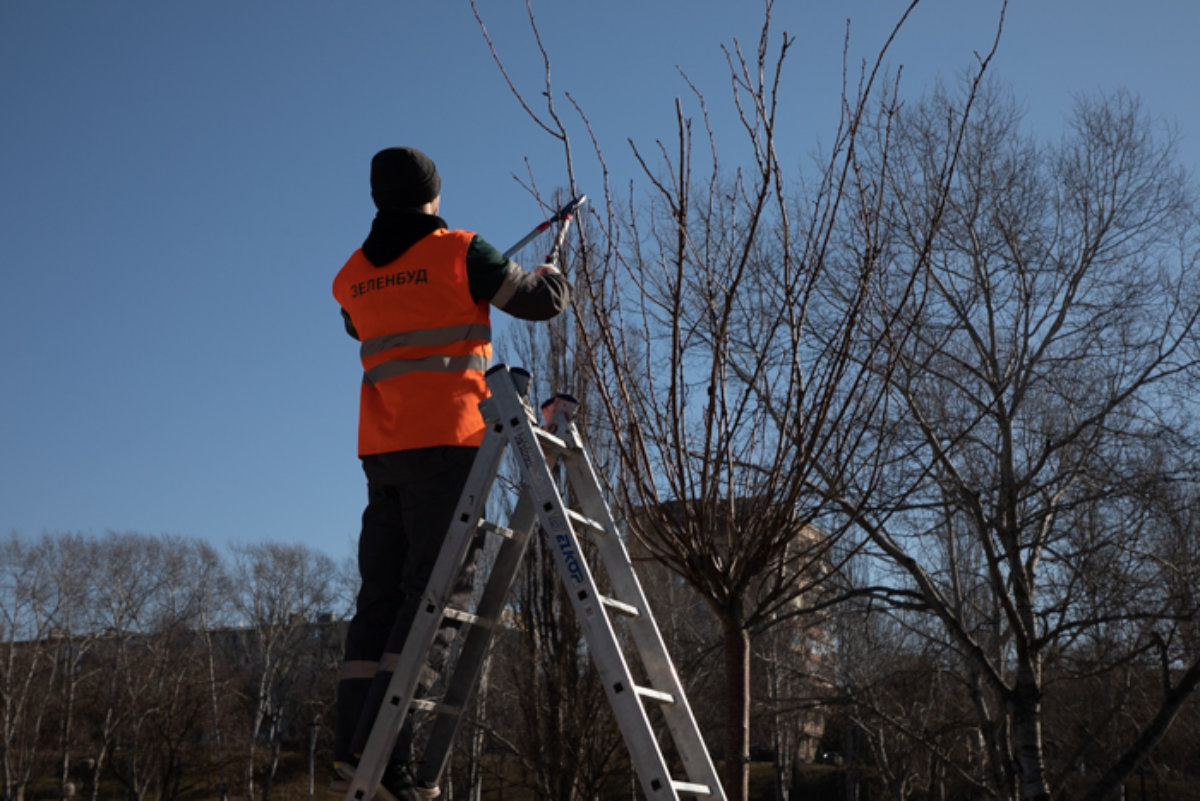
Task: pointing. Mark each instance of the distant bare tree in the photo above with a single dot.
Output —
(214, 603)
(1042, 359)
(146, 699)
(117, 661)
(279, 591)
(28, 608)
(68, 561)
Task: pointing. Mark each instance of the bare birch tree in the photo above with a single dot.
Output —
(28, 606)
(68, 563)
(127, 580)
(147, 696)
(279, 591)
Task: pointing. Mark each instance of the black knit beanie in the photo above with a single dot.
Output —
(403, 178)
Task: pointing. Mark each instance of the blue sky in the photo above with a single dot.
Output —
(180, 181)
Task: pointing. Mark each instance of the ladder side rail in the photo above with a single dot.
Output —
(621, 574)
(586, 600)
(610, 662)
(392, 708)
(647, 636)
(469, 665)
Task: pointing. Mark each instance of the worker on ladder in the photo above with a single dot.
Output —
(417, 296)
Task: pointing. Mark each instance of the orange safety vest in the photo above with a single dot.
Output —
(426, 345)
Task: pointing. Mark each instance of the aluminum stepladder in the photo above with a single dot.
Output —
(512, 422)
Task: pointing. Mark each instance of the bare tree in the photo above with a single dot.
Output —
(145, 688)
(126, 581)
(214, 602)
(1039, 344)
(279, 591)
(727, 368)
(28, 667)
(697, 326)
(68, 565)
(116, 663)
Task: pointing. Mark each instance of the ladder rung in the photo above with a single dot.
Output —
(655, 695)
(554, 441)
(496, 528)
(466, 617)
(436, 707)
(586, 522)
(691, 788)
(621, 606)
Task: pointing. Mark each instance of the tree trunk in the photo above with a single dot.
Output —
(737, 711)
(69, 686)
(222, 780)
(1027, 736)
(312, 755)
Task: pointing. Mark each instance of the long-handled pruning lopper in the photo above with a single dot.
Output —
(563, 216)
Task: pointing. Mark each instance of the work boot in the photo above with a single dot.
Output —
(339, 783)
(398, 780)
(398, 783)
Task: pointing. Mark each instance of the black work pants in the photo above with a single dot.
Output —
(411, 500)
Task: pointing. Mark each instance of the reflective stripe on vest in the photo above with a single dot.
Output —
(437, 364)
(429, 336)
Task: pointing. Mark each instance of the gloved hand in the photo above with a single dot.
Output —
(546, 268)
